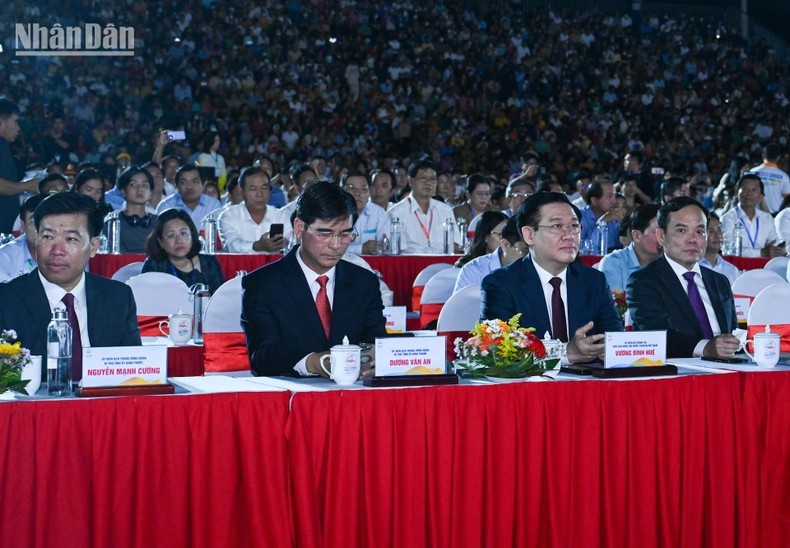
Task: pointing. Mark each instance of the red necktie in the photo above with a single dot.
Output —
(76, 340)
(322, 304)
(558, 327)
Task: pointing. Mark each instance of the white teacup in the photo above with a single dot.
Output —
(179, 328)
(345, 362)
(766, 347)
(32, 372)
(553, 351)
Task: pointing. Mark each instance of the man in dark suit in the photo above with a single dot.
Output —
(694, 304)
(102, 311)
(553, 291)
(296, 309)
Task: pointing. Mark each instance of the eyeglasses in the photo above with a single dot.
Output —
(171, 236)
(519, 195)
(556, 229)
(325, 235)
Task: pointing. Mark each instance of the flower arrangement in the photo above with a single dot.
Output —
(620, 303)
(12, 359)
(503, 349)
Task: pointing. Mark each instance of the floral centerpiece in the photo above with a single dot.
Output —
(12, 359)
(503, 349)
(620, 303)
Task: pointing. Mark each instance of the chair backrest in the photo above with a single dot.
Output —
(223, 338)
(159, 294)
(128, 271)
(436, 292)
(387, 295)
(751, 282)
(778, 265)
(422, 278)
(461, 311)
(771, 307)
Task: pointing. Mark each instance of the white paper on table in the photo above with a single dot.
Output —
(747, 367)
(217, 384)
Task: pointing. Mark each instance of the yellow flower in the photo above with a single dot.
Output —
(10, 349)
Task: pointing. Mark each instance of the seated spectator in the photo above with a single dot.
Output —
(478, 194)
(276, 195)
(211, 188)
(18, 256)
(758, 231)
(382, 181)
(619, 265)
(53, 183)
(89, 182)
(372, 223)
(488, 232)
(135, 185)
(174, 248)
(600, 201)
(190, 197)
(511, 248)
(713, 258)
(674, 187)
(518, 190)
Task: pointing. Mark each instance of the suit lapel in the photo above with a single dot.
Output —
(536, 313)
(578, 296)
(675, 290)
(37, 306)
(716, 298)
(298, 287)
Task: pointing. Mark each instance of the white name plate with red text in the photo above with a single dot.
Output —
(396, 318)
(635, 349)
(742, 306)
(410, 356)
(124, 366)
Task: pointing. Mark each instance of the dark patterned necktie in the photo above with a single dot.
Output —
(698, 306)
(559, 328)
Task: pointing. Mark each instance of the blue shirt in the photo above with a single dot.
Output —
(113, 197)
(722, 267)
(618, 265)
(206, 205)
(591, 232)
(277, 197)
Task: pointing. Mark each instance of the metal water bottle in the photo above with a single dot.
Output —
(449, 237)
(59, 354)
(737, 239)
(114, 233)
(603, 232)
(395, 234)
(210, 234)
(200, 298)
(461, 222)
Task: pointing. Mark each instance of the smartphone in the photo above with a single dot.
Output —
(657, 171)
(176, 135)
(275, 230)
(725, 360)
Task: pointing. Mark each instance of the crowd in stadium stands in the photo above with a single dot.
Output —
(355, 86)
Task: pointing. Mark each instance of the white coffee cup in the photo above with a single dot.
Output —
(345, 362)
(767, 346)
(32, 372)
(179, 327)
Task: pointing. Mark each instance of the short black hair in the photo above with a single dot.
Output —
(70, 203)
(251, 171)
(595, 190)
(297, 169)
(126, 177)
(354, 173)
(383, 171)
(749, 176)
(7, 107)
(474, 180)
(185, 169)
(152, 246)
(30, 205)
(529, 212)
(49, 178)
(510, 231)
(641, 216)
(676, 204)
(233, 184)
(416, 166)
(672, 185)
(771, 152)
(521, 180)
(326, 201)
(638, 154)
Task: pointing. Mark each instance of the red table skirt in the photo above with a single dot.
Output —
(185, 361)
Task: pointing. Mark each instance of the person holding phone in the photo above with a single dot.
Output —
(253, 226)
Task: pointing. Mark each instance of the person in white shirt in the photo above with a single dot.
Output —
(511, 248)
(18, 256)
(759, 232)
(246, 227)
(776, 182)
(382, 181)
(518, 190)
(712, 258)
(421, 217)
(372, 223)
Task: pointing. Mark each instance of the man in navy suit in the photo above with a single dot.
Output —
(104, 311)
(662, 294)
(554, 292)
(296, 309)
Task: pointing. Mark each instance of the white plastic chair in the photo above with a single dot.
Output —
(771, 307)
(159, 294)
(223, 337)
(461, 310)
(418, 286)
(437, 291)
(128, 271)
(750, 283)
(778, 265)
(387, 295)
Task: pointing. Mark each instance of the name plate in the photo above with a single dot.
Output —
(396, 319)
(124, 366)
(410, 356)
(742, 305)
(635, 349)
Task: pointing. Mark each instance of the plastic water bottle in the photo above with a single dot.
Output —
(603, 232)
(737, 239)
(59, 354)
(449, 237)
(200, 298)
(114, 233)
(210, 235)
(395, 235)
(461, 222)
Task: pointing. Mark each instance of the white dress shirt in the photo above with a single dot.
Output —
(238, 231)
(478, 268)
(415, 224)
(15, 259)
(311, 279)
(548, 290)
(757, 232)
(679, 270)
(372, 224)
(55, 295)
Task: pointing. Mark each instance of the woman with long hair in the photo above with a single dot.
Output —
(90, 182)
(486, 239)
